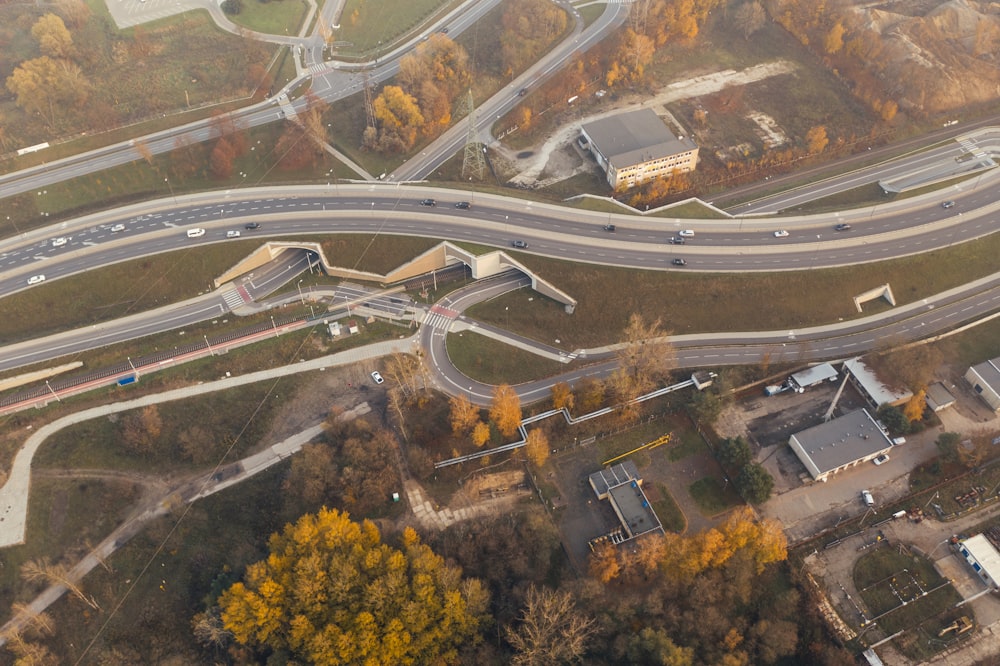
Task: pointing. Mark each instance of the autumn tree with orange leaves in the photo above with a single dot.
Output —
(505, 410)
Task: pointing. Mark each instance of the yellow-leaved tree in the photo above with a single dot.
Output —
(505, 410)
(331, 592)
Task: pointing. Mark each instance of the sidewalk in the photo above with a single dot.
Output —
(14, 494)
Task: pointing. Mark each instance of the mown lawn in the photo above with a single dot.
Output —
(276, 18)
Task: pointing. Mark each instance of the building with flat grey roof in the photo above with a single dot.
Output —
(844, 442)
(985, 381)
(636, 146)
(873, 389)
(622, 486)
(938, 397)
(984, 559)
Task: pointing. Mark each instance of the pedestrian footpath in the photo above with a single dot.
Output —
(14, 494)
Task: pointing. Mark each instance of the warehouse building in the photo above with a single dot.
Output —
(985, 381)
(839, 444)
(635, 147)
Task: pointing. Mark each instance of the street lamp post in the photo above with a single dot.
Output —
(209, 345)
(132, 365)
(275, 326)
(298, 285)
(172, 195)
(56, 395)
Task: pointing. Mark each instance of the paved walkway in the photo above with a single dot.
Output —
(14, 494)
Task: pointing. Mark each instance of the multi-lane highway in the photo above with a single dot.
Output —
(896, 229)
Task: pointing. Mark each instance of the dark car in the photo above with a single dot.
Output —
(519, 243)
(428, 202)
(251, 226)
(464, 205)
(677, 240)
(842, 227)
(609, 227)
(947, 204)
(679, 262)
(522, 92)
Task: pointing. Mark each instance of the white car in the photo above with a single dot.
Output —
(881, 459)
(781, 234)
(866, 496)
(195, 233)
(118, 227)
(59, 242)
(35, 279)
(686, 233)
(377, 377)
(232, 234)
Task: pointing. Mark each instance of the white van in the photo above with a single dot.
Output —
(195, 233)
(867, 497)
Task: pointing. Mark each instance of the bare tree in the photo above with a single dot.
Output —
(54, 574)
(646, 355)
(552, 630)
(750, 17)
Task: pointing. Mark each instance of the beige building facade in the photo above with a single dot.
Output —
(636, 147)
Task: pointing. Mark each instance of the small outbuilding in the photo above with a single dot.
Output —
(874, 390)
(985, 381)
(817, 374)
(938, 397)
(839, 444)
(984, 559)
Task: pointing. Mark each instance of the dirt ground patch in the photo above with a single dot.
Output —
(556, 159)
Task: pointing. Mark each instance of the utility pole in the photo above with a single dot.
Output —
(473, 163)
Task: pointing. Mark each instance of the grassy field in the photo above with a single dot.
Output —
(367, 23)
(174, 63)
(493, 362)
(666, 509)
(276, 18)
(712, 497)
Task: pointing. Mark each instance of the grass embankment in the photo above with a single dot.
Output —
(275, 18)
(116, 291)
(163, 176)
(493, 362)
(698, 303)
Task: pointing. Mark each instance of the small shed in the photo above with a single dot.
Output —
(817, 374)
(938, 397)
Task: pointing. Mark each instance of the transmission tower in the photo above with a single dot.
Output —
(474, 162)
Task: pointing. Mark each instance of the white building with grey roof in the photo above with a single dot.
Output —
(839, 444)
(985, 381)
(636, 146)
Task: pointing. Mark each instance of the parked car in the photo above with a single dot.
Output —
(679, 262)
(899, 441)
(686, 233)
(947, 204)
(519, 244)
(867, 498)
(35, 279)
(250, 226)
(118, 227)
(463, 205)
(882, 459)
(59, 242)
(377, 377)
(195, 233)
(428, 202)
(609, 228)
(232, 234)
(842, 227)
(781, 234)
